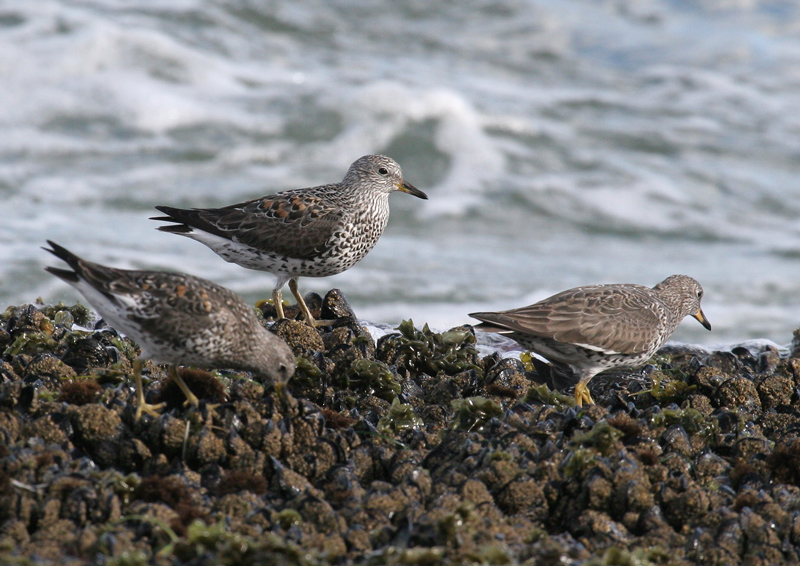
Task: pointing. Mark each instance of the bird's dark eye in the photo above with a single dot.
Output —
(383, 171)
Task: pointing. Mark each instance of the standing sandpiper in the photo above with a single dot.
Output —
(600, 327)
(313, 232)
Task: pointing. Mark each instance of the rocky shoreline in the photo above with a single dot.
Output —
(412, 450)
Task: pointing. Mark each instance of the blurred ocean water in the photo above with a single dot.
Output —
(561, 143)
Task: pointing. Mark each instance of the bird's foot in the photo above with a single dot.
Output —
(191, 398)
(582, 394)
(144, 407)
(211, 409)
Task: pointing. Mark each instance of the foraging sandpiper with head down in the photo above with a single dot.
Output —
(178, 319)
(312, 232)
(600, 327)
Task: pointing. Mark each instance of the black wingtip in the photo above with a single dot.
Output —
(64, 274)
(54, 247)
(62, 253)
(176, 228)
(173, 215)
(70, 258)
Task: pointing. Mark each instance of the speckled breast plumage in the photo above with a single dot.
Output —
(353, 237)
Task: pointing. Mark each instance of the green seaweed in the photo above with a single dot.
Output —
(425, 351)
(371, 378)
(307, 367)
(578, 461)
(546, 396)
(307, 374)
(287, 518)
(692, 421)
(127, 347)
(501, 456)
(490, 554)
(602, 437)
(472, 413)
(215, 544)
(66, 315)
(400, 418)
(173, 537)
(124, 486)
(46, 396)
(453, 524)
(31, 343)
(668, 389)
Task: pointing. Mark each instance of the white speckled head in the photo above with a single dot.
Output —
(381, 174)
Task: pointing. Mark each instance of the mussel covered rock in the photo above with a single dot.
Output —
(414, 450)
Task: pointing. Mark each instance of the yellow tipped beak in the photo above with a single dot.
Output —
(701, 318)
(411, 189)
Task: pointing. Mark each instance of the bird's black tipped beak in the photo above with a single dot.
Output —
(701, 318)
(411, 189)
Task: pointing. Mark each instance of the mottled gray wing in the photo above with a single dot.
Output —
(294, 224)
(176, 297)
(159, 302)
(610, 318)
(154, 294)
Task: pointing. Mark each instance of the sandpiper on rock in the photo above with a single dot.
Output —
(313, 232)
(600, 327)
(178, 319)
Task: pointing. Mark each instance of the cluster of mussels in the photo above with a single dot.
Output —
(411, 450)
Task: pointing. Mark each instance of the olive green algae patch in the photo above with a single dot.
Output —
(411, 450)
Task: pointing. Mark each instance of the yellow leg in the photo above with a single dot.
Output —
(582, 394)
(191, 398)
(277, 299)
(300, 302)
(141, 405)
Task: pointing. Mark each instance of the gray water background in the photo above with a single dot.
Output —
(562, 143)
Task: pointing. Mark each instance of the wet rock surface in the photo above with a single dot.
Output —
(410, 450)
